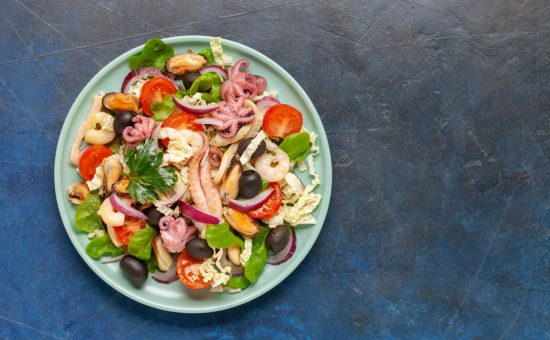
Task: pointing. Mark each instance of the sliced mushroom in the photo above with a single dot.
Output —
(230, 185)
(120, 187)
(164, 258)
(112, 170)
(77, 192)
(234, 254)
(183, 63)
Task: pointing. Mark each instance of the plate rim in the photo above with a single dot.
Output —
(60, 196)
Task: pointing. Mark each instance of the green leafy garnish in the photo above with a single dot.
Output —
(296, 146)
(162, 109)
(86, 217)
(255, 264)
(207, 53)
(220, 236)
(152, 264)
(155, 53)
(141, 243)
(102, 245)
(208, 85)
(146, 175)
(238, 282)
(265, 184)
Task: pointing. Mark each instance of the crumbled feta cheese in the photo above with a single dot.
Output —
(96, 233)
(217, 50)
(135, 89)
(211, 270)
(179, 151)
(247, 252)
(251, 148)
(97, 181)
(166, 211)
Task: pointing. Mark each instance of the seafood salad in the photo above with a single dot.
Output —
(189, 172)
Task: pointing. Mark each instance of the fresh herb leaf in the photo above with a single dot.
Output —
(141, 243)
(155, 53)
(102, 245)
(220, 236)
(209, 85)
(164, 108)
(86, 217)
(146, 175)
(207, 53)
(255, 264)
(265, 184)
(238, 282)
(296, 146)
(152, 264)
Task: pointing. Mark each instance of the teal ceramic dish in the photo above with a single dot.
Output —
(175, 297)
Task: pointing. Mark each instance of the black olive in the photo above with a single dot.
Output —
(257, 153)
(250, 184)
(189, 78)
(198, 248)
(278, 238)
(134, 269)
(122, 120)
(153, 216)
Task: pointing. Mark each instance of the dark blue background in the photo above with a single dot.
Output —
(437, 112)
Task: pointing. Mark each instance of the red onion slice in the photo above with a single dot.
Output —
(208, 121)
(143, 72)
(180, 190)
(166, 277)
(267, 102)
(113, 259)
(214, 68)
(198, 215)
(252, 203)
(195, 109)
(125, 208)
(286, 253)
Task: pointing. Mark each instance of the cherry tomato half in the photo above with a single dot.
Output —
(179, 121)
(188, 270)
(130, 227)
(90, 159)
(271, 206)
(154, 90)
(282, 120)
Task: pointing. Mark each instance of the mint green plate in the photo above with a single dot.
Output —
(175, 297)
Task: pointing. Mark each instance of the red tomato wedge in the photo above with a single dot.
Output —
(130, 227)
(271, 206)
(154, 90)
(90, 159)
(282, 120)
(188, 271)
(179, 121)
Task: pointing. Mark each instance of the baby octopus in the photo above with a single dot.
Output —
(142, 130)
(238, 87)
(175, 233)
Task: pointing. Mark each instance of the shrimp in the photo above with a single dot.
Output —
(183, 145)
(273, 168)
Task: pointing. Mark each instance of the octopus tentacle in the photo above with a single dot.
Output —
(142, 130)
(175, 233)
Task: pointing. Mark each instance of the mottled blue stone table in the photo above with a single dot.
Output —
(438, 115)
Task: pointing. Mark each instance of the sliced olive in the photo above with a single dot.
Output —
(123, 120)
(134, 269)
(250, 184)
(117, 102)
(257, 153)
(198, 248)
(278, 238)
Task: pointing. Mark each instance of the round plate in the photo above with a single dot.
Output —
(175, 297)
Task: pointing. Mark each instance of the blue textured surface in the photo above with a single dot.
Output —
(437, 112)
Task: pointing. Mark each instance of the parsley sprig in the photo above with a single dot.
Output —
(146, 175)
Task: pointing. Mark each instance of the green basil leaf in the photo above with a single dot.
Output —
(86, 217)
(208, 85)
(238, 282)
(255, 264)
(296, 146)
(163, 109)
(152, 264)
(141, 243)
(207, 53)
(103, 245)
(220, 236)
(155, 53)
